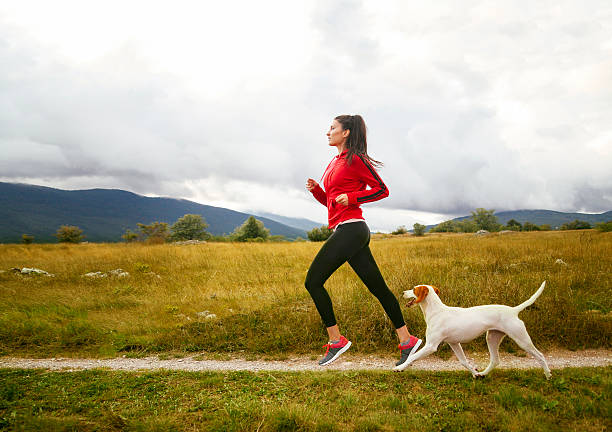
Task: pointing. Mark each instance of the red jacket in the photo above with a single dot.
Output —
(340, 178)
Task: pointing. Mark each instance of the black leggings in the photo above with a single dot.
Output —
(350, 242)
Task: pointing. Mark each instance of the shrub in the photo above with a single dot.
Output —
(27, 239)
(485, 220)
(189, 227)
(319, 234)
(419, 230)
(157, 232)
(604, 226)
(528, 226)
(446, 226)
(129, 236)
(251, 229)
(514, 225)
(400, 230)
(576, 225)
(69, 234)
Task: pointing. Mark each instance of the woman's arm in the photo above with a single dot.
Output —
(378, 190)
(317, 191)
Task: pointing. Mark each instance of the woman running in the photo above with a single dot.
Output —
(345, 181)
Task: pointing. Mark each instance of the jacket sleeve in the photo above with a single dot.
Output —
(377, 188)
(320, 195)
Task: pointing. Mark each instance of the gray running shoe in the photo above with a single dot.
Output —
(406, 350)
(334, 351)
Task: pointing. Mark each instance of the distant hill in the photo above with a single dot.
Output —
(299, 223)
(539, 217)
(105, 214)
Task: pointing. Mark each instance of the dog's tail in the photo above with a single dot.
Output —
(531, 300)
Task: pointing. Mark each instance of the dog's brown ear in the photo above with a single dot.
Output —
(436, 290)
(421, 292)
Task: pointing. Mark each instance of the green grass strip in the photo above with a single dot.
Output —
(102, 400)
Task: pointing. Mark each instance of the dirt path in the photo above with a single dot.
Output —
(557, 359)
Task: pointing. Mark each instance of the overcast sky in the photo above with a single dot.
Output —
(503, 105)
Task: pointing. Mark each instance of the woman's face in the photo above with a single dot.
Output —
(336, 136)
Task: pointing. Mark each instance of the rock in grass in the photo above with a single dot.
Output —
(94, 275)
(560, 262)
(116, 273)
(206, 315)
(36, 271)
(481, 232)
(119, 273)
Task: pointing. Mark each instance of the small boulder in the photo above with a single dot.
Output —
(94, 275)
(481, 232)
(119, 273)
(35, 271)
(560, 262)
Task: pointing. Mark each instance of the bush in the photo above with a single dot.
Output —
(575, 225)
(189, 227)
(514, 225)
(419, 230)
(528, 226)
(319, 234)
(129, 236)
(485, 220)
(157, 232)
(27, 239)
(400, 230)
(69, 234)
(251, 229)
(446, 226)
(604, 226)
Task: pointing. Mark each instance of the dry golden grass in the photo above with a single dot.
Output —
(257, 292)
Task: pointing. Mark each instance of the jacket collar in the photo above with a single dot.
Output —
(343, 153)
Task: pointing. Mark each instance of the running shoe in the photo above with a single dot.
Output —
(334, 350)
(406, 349)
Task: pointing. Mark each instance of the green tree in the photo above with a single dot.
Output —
(514, 225)
(467, 226)
(485, 219)
(157, 232)
(528, 226)
(604, 226)
(27, 239)
(319, 234)
(575, 225)
(545, 227)
(251, 229)
(69, 234)
(419, 230)
(189, 227)
(129, 236)
(400, 230)
(446, 226)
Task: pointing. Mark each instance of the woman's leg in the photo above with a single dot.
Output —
(365, 266)
(339, 247)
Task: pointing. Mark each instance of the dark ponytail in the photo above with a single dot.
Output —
(356, 143)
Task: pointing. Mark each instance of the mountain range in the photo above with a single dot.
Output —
(539, 217)
(105, 214)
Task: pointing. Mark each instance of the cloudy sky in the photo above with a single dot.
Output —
(504, 105)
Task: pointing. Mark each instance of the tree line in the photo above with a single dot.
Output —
(188, 227)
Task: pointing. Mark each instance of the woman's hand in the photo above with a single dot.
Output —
(342, 199)
(311, 184)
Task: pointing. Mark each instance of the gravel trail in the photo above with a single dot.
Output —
(557, 359)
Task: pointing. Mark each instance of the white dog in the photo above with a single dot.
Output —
(455, 325)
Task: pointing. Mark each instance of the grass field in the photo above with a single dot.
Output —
(574, 400)
(257, 292)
